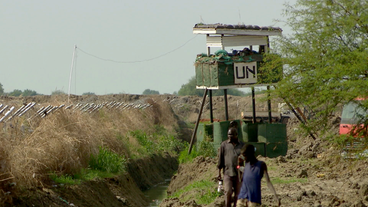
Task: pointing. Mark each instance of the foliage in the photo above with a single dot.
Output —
(108, 161)
(146, 143)
(15, 92)
(157, 142)
(85, 174)
(257, 91)
(206, 149)
(29, 92)
(325, 58)
(206, 191)
(342, 140)
(57, 92)
(88, 93)
(65, 179)
(278, 180)
(1, 89)
(189, 89)
(150, 92)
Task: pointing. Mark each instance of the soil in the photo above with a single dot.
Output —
(125, 190)
(313, 173)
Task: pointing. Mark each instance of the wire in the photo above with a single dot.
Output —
(138, 61)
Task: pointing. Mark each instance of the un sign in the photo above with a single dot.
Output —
(245, 73)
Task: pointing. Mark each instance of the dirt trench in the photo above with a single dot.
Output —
(125, 190)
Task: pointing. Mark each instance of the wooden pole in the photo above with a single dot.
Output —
(269, 105)
(254, 105)
(226, 107)
(211, 110)
(196, 126)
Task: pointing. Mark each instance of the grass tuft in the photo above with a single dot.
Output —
(205, 192)
(206, 149)
(108, 161)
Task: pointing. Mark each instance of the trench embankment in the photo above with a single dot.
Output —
(124, 190)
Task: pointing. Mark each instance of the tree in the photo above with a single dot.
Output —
(150, 92)
(88, 93)
(58, 92)
(189, 89)
(28, 92)
(15, 92)
(1, 89)
(325, 58)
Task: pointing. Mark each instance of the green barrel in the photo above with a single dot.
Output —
(249, 132)
(260, 148)
(275, 149)
(220, 131)
(272, 133)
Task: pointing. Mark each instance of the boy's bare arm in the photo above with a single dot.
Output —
(269, 184)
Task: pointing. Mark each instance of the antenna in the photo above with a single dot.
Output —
(202, 21)
(239, 16)
(71, 70)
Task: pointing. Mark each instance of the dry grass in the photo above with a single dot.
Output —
(63, 142)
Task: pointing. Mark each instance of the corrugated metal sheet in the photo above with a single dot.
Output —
(234, 41)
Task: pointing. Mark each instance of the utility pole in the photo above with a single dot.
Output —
(71, 70)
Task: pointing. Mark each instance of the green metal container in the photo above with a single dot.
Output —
(199, 75)
(271, 132)
(216, 147)
(249, 132)
(220, 131)
(275, 149)
(218, 70)
(260, 148)
(204, 130)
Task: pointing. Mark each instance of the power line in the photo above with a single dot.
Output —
(137, 61)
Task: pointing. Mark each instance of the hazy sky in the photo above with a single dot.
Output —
(38, 38)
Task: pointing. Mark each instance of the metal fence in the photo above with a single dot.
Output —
(8, 112)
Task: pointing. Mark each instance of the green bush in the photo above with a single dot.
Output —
(205, 149)
(107, 161)
(65, 179)
(148, 146)
(158, 142)
(170, 144)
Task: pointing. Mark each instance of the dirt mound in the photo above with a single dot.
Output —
(200, 169)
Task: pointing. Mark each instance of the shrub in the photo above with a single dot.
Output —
(206, 149)
(108, 161)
